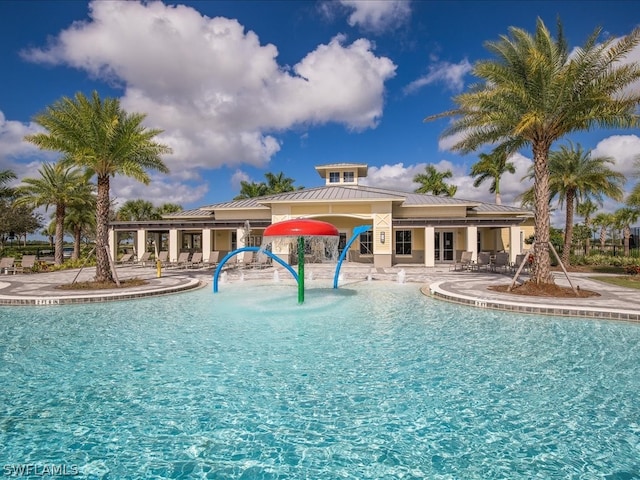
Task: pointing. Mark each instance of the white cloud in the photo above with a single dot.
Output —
(624, 149)
(377, 16)
(399, 177)
(16, 154)
(450, 74)
(218, 94)
(237, 177)
(160, 190)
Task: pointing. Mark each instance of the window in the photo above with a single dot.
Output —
(234, 240)
(348, 177)
(334, 177)
(366, 243)
(403, 242)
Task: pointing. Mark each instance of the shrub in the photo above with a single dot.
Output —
(632, 269)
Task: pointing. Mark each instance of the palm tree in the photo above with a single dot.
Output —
(251, 190)
(575, 176)
(535, 93)
(5, 177)
(433, 181)
(58, 185)
(624, 218)
(603, 221)
(105, 140)
(167, 208)
(278, 183)
(586, 209)
(81, 218)
(492, 166)
(136, 210)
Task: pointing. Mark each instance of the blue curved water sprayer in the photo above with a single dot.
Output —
(356, 233)
(249, 249)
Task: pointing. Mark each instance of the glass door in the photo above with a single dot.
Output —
(443, 247)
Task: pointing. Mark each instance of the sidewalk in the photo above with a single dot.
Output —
(468, 288)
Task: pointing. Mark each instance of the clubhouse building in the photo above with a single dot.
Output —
(406, 228)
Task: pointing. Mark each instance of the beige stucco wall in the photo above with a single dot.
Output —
(439, 211)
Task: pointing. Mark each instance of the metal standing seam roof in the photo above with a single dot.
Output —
(360, 192)
(193, 213)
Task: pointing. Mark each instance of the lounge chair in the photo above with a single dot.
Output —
(26, 264)
(465, 262)
(520, 258)
(245, 260)
(501, 262)
(196, 261)
(7, 265)
(484, 261)
(260, 260)
(183, 260)
(214, 258)
(163, 258)
(144, 259)
(126, 258)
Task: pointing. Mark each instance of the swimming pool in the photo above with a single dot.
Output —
(372, 380)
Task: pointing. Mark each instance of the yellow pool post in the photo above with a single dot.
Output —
(158, 268)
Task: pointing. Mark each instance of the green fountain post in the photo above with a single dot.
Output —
(300, 270)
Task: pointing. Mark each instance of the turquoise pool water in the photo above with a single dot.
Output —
(370, 381)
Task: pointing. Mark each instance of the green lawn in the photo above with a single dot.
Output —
(627, 281)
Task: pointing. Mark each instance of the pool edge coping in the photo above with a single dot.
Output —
(435, 290)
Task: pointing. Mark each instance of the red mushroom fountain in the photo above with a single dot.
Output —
(300, 228)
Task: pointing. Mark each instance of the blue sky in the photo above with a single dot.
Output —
(242, 88)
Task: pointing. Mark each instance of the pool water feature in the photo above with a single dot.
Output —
(371, 380)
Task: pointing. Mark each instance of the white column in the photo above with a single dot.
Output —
(141, 243)
(240, 232)
(429, 247)
(514, 242)
(173, 245)
(206, 244)
(112, 244)
(472, 242)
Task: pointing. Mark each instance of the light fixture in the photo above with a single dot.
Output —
(382, 237)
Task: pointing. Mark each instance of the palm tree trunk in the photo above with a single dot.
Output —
(77, 238)
(542, 264)
(568, 228)
(627, 235)
(498, 198)
(103, 267)
(58, 255)
(603, 238)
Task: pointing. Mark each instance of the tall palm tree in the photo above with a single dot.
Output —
(105, 140)
(603, 221)
(5, 177)
(624, 218)
(575, 176)
(58, 185)
(586, 209)
(433, 181)
(492, 166)
(535, 93)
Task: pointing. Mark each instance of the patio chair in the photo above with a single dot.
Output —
(7, 265)
(261, 261)
(501, 262)
(163, 258)
(183, 260)
(484, 261)
(245, 260)
(26, 264)
(465, 262)
(144, 259)
(214, 258)
(196, 261)
(126, 258)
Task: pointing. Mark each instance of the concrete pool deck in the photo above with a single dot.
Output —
(468, 288)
